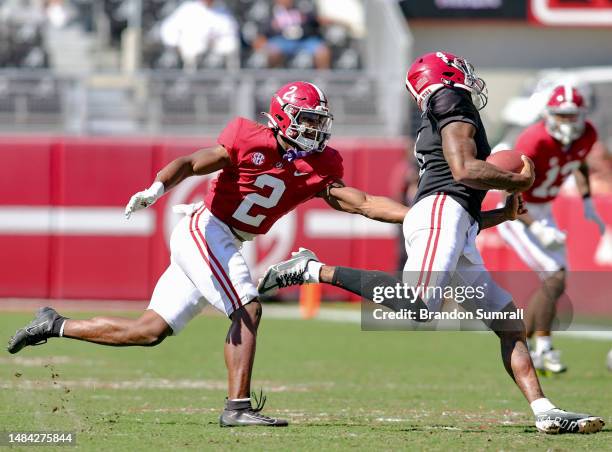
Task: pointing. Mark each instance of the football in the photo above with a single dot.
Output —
(507, 160)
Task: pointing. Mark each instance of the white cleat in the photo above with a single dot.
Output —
(548, 362)
(287, 273)
(557, 421)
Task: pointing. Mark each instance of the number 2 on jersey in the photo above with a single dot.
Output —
(255, 199)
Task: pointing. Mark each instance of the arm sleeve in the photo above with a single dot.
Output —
(228, 139)
(452, 105)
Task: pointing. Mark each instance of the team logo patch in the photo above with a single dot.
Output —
(258, 158)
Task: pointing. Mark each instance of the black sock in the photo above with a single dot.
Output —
(57, 326)
(363, 282)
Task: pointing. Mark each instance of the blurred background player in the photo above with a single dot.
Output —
(441, 227)
(558, 145)
(265, 173)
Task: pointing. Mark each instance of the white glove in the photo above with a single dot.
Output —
(144, 198)
(548, 236)
(591, 214)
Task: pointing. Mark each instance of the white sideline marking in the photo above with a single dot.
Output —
(330, 224)
(578, 331)
(45, 220)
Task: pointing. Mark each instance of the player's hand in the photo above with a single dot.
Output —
(527, 175)
(515, 207)
(591, 214)
(144, 198)
(550, 237)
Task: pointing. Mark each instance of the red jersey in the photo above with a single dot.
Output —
(553, 162)
(259, 186)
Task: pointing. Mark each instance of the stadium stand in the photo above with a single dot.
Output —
(21, 36)
(252, 16)
(84, 86)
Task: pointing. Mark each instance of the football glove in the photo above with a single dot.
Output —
(144, 198)
(591, 214)
(548, 236)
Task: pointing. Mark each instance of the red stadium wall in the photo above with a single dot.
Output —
(63, 235)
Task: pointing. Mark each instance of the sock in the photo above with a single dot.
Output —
(314, 269)
(238, 404)
(541, 405)
(543, 344)
(57, 330)
(364, 282)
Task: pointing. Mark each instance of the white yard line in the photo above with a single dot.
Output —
(578, 331)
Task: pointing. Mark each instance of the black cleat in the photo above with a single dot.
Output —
(242, 414)
(37, 332)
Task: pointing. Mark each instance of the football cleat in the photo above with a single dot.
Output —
(36, 332)
(548, 363)
(557, 421)
(287, 273)
(240, 413)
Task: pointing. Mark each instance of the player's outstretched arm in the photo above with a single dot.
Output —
(459, 150)
(512, 210)
(201, 162)
(204, 161)
(352, 200)
(581, 176)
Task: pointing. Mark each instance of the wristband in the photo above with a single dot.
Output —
(157, 188)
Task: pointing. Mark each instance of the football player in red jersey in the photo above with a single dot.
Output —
(266, 171)
(558, 146)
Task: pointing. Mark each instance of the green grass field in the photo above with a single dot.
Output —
(340, 387)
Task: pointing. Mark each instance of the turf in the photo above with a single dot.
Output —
(340, 388)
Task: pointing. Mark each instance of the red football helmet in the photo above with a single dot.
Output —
(436, 70)
(299, 112)
(565, 114)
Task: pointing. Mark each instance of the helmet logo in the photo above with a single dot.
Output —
(442, 56)
(289, 96)
(258, 158)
